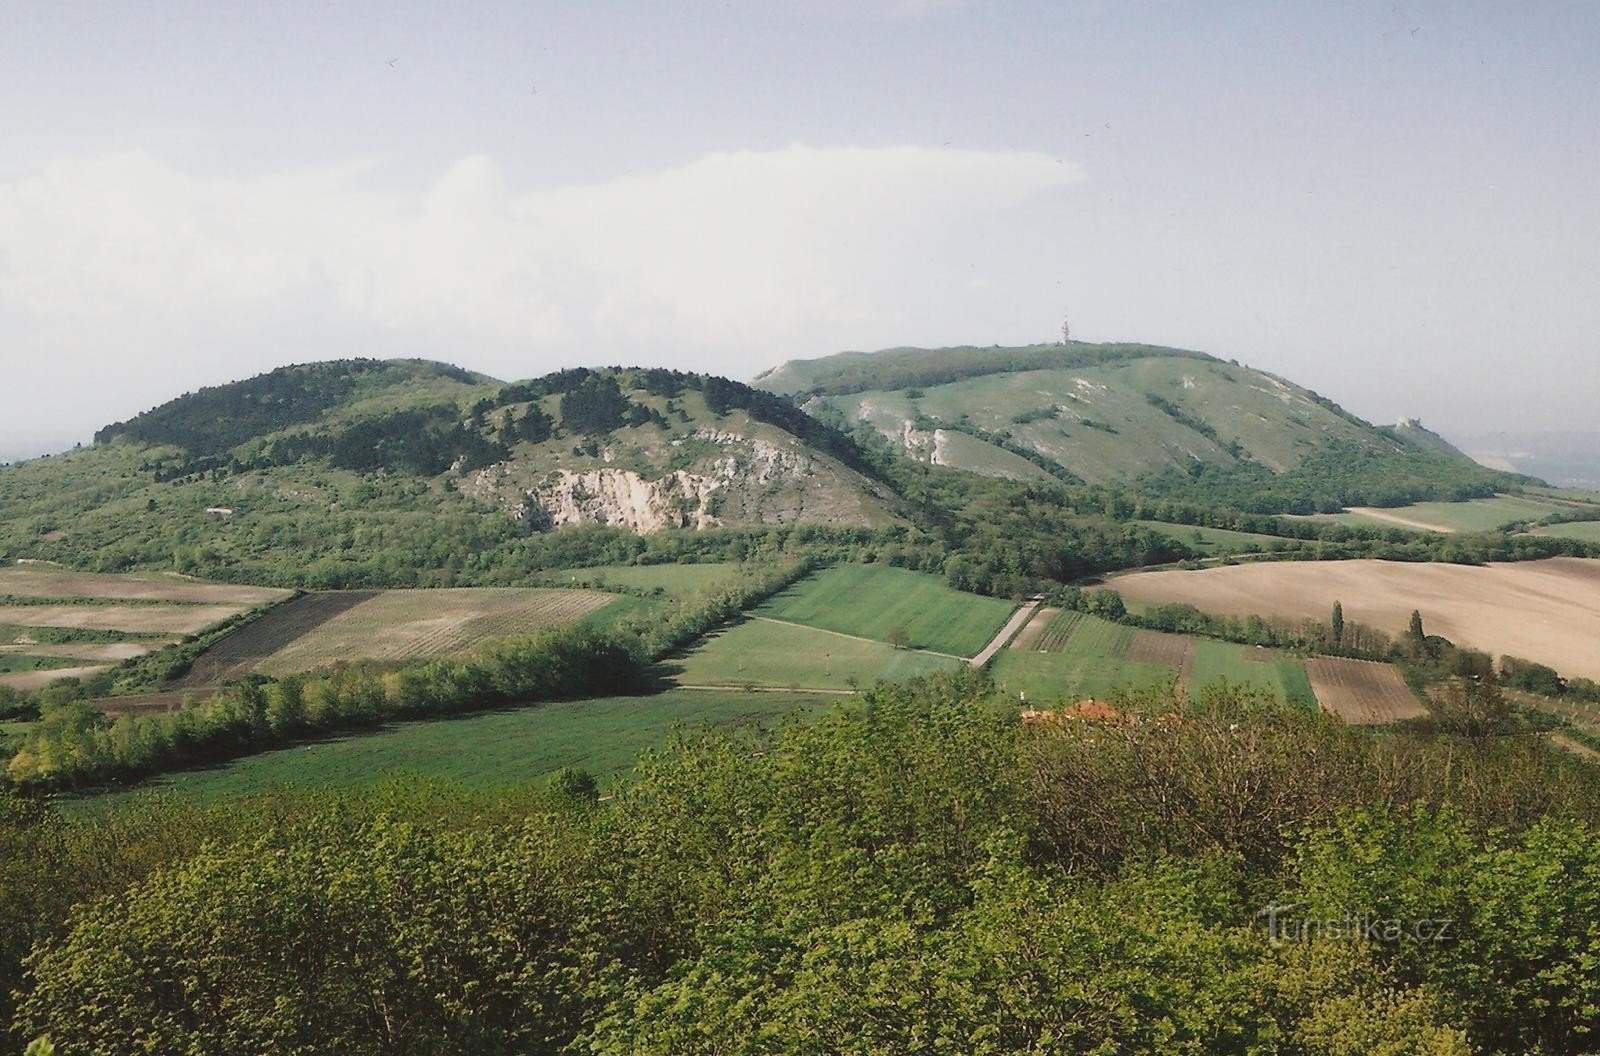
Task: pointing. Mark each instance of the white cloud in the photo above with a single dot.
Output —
(124, 280)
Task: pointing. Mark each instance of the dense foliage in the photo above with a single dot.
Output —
(913, 873)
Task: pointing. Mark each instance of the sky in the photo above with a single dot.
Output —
(1391, 203)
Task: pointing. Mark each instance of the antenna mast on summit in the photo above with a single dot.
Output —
(1066, 329)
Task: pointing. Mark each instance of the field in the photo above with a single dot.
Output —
(237, 654)
(1361, 692)
(1583, 531)
(1543, 610)
(872, 601)
(765, 652)
(1474, 515)
(57, 623)
(677, 580)
(401, 624)
(603, 735)
(45, 581)
(1213, 541)
(1068, 655)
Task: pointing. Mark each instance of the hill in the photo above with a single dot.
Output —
(322, 468)
(1170, 421)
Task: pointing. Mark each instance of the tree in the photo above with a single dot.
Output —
(1338, 625)
(899, 637)
(1415, 633)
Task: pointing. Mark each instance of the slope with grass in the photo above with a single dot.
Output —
(1473, 515)
(1110, 414)
(603, 735)
(774, 654)
(875, 601)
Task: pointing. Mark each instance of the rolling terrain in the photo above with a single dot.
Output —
(1120, 414)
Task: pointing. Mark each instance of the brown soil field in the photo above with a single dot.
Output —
(1026, 637)
(109, 652)
(1255, 654)
(398, 624)
(1547, 611)
(1362, 692)
(165, 619)
(239, 652)
(40, 581)
(27, 681)
(1156, 647)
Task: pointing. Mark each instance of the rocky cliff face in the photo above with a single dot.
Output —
(735, 480)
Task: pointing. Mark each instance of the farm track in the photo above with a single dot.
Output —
(238, 653)
(1011, 628)
(841, 634)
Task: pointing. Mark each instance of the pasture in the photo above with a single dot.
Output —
(1362, 692)
(1474, 515)
(1211, 542)
(678, 581)
(1547, 611)
(603, 736)
(1583, 531)
(1075, 658)
(769, 653)
(873, 601)
(405, 624)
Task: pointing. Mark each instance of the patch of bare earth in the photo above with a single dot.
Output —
(160, 619)
(1026, 637)
(27, 681)
(1547, 611)
(36, 581)
(109, 652)
(1362, 692)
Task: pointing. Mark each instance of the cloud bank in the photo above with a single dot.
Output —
(124, 280)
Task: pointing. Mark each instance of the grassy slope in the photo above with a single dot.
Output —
(1277, 424)
(676, 580)
(603, 736)
(1090, 664)
(1212, 540)
(874, 600)
(1282, 677)
(1585, 531)
(764, 653)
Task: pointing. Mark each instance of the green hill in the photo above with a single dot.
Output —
(322, 468)
(1171, 421)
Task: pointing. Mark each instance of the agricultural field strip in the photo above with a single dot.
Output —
(161, 617)
(27, 681)
(1056, 634)
(239, 652)
(1362, 692)
(62, 584)
(1029, 634)
(852, 637)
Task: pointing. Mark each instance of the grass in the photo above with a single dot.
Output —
(764, 653)
(1090, 663)
(1213, 541)
(604, 736)
(873, 601)
(11, 663)
(1058, 631)
(675, 580)
(1474, 515)
(1583, 531)
(1281, 677)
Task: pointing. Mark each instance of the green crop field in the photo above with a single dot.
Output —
(1213, 540)
(1090, 662)
(1280, 676)
(1475, 515)
(676, 580)
(1583, 531)
(603, 736)
(761, 652)
(1058, 631)
(872, 601)
(14, 662)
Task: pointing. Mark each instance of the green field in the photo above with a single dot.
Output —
(1089, 663)
(1212, 541)
(872, 601)
(760, 652)
(1058, 631)
(1282, 677)
(1583, 531)
(15, 662)
(1474, 515)
(603, 736)
(676, 580)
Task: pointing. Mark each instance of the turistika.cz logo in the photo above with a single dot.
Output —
(1283, 926)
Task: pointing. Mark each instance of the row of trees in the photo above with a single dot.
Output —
(912, 873)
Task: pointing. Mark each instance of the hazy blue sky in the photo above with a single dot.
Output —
(1393, 203)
